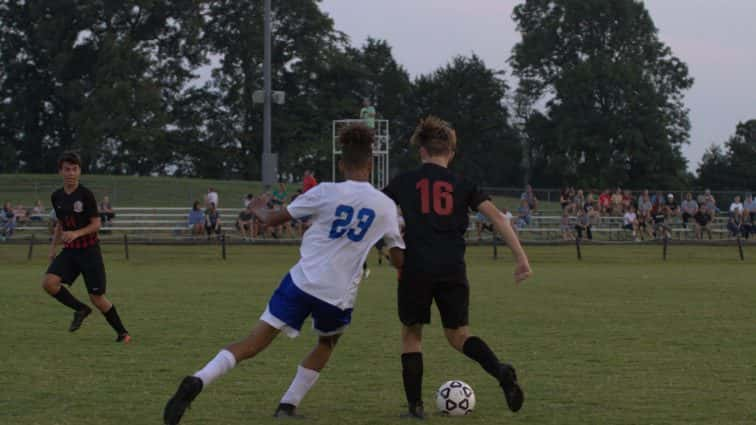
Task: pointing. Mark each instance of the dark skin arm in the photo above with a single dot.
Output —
(267, 216)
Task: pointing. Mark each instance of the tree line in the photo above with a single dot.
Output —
(598, 100)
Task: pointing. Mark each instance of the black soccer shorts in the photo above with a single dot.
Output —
(416, 292)
(71, 262)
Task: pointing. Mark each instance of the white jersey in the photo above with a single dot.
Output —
(347, 218)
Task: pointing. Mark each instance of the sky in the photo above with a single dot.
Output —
(717, 39)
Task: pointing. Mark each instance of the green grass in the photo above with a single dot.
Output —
(131, 191)
(619, 338)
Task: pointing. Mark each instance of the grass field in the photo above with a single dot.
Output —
(131, 191)
(620, 338)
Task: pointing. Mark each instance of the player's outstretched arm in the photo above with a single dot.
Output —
(267, 216)
(504, 227)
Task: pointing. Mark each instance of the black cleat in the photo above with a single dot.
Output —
(416, 411)
(187, 391)
(512, 391)
(287, 411)
(124, 338)
(78, 318)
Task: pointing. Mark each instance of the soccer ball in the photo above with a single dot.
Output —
(455, 398)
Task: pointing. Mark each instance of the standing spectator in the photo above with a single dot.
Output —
(211, 198)
(106, 210)
(630, 221)
(605, 202)
(196, 219)
(565, 227)
(583, 225)
(702, 218)
(38, 212)
(530, 197)
(749, 213)
(7, 221)
(659, 216)
(367, 113)
(280, 194)
(579, 200)
(627, 200)
(308, 182)
(689, 207)
(212, 221)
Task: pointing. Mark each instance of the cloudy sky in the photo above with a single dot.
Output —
(717, 39)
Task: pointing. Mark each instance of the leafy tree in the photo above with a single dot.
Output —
(733, 166)
(471, 97)
(612, 92)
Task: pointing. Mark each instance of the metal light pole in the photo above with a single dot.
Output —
(269, 161)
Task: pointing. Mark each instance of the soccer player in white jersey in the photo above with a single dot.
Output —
(347, 218)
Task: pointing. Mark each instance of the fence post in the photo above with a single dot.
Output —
(31, 247)
(666, 243)
(740, 248)
(126, 246)
(223, 245)
(495, 248)
(577, 247)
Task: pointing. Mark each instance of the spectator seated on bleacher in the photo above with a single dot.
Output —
(38, 212)
(530, 197)
(735, 222)
(630, 222)
(106, 210)
(212, 221)
(196, 219)
(7, 221)
(523, 214)
(710, 202)
(245, 223)
(565, 227)
(605, 202)
(688, 208)
(703, 218)
(22, 216)
(583, 224)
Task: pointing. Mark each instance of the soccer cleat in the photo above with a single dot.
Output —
(78, 318)
(415, 411)
(512, 391)
(124, 338)
(187, 391)
(287, 411)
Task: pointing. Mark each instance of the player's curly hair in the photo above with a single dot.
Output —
(435, 135)
(356, 146)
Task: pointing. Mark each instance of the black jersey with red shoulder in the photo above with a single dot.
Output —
(75, 211)
(435, 204)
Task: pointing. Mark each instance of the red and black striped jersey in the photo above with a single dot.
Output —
(75, 211)
(435, 204)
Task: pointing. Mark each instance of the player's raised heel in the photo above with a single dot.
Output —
(78, 318)
(187, 391)
(124, 338)
(512, 391)
(287, 411)
(416, 411)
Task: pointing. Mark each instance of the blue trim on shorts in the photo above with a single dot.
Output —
(292, 305)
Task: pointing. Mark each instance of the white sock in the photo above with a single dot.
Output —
(301, 384)
(217, 367)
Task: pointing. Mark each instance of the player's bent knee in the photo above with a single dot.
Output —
(457, 337)
(51, 283)
(328, 341)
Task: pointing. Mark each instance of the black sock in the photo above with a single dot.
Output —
(69, 300)
(477, 350)
(412, 375)
(115, 322)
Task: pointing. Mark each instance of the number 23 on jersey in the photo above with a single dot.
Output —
(343, 223)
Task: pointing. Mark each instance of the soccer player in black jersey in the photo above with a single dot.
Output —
(436, 204)
(78, 223)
